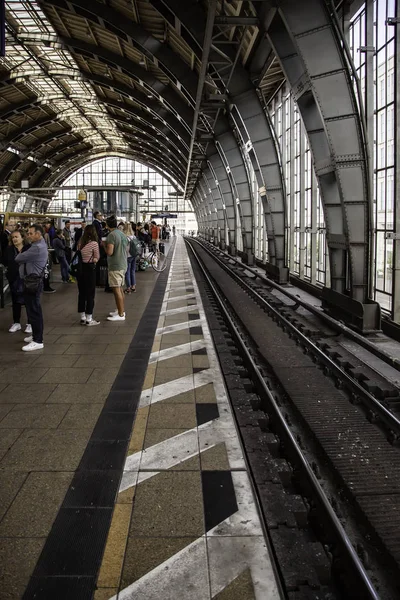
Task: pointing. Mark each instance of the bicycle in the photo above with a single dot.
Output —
(156, 258)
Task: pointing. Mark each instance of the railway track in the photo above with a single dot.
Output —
(321, 469)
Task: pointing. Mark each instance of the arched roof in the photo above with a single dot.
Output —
(83, 77)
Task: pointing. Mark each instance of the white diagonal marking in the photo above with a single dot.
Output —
(176, 351)
(175, 311)
(177, 298)
(175, 387)
(178, 327)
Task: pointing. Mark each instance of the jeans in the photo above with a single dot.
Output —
(35, 315)
(87, 288)
(64, 268)
(130, 275)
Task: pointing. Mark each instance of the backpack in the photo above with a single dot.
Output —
(75, 268)
(134, 247)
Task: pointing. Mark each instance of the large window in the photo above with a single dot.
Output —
(372, 32)
(305, 220)
(155, 193)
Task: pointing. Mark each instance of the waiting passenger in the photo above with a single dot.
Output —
(130, 275)
(116, 249)
(16, 245)
(89, 247)
(59, 249)
(33, 262)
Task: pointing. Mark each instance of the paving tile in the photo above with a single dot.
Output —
(67, 375)
(241, 588)
(205, 394)
(18, 558)
(201, 361)
(45, 450)
(169, 504)
(215, 459)
(34, 509)
(75, 339)
(119, 338)
(24, 359)
(156, 436)
(7, 438)
(84, 393)
(10, 484)
(4, 410)
(184, 398)
(145, 554)
(175, 319)
(113, 559)
(41, 416)
(28, 375)
(103, 375)
(163, 375)
(116, 348)
(85, 349)
(81, 416)
(169, 416)
(183, 360)
(54, 361)
(27, 394)
(100, 362)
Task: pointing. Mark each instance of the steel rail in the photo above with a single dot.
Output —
(392, 422)
(366, 590)
(353, 335)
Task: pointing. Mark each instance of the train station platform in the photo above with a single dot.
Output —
(122, 475)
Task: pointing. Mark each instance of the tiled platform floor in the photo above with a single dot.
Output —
(49, 403)
(185, 525)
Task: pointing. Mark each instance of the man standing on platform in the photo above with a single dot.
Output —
(117, 261)
(68, 241)
(33, 262)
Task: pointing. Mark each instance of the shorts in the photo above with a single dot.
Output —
(116, 278)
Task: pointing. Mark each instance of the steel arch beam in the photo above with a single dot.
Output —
(211, 179)
(264, 153)
(225, 188)
(231, 155)
(169, 62)
(173, 101)
(28, 128)
(311, 55)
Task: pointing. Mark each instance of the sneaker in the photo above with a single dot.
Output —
(92, 323)
(28, 328)
(113, 313)
(49, 291)
(83, 321)
(32, 346)
(28, 339)
(116, 317)
(15, 327)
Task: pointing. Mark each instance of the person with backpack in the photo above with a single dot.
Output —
(85, 260)
(134, 249)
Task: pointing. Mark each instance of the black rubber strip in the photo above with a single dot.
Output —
(70, 561)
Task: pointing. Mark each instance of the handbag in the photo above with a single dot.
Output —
(75, 268)
(32, 282)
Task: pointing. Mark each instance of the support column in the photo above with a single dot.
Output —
(396, 241)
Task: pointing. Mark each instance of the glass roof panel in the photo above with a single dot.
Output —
(34, 56)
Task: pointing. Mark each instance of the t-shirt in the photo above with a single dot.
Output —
(118, 261)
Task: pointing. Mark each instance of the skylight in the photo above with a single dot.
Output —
(35, 56)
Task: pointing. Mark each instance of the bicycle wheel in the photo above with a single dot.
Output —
(158, 261)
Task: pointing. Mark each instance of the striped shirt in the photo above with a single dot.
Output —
(90, 252)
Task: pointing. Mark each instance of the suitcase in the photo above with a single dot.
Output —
(162, 248)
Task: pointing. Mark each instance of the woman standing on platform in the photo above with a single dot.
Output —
(89, 248)
(17, 244)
